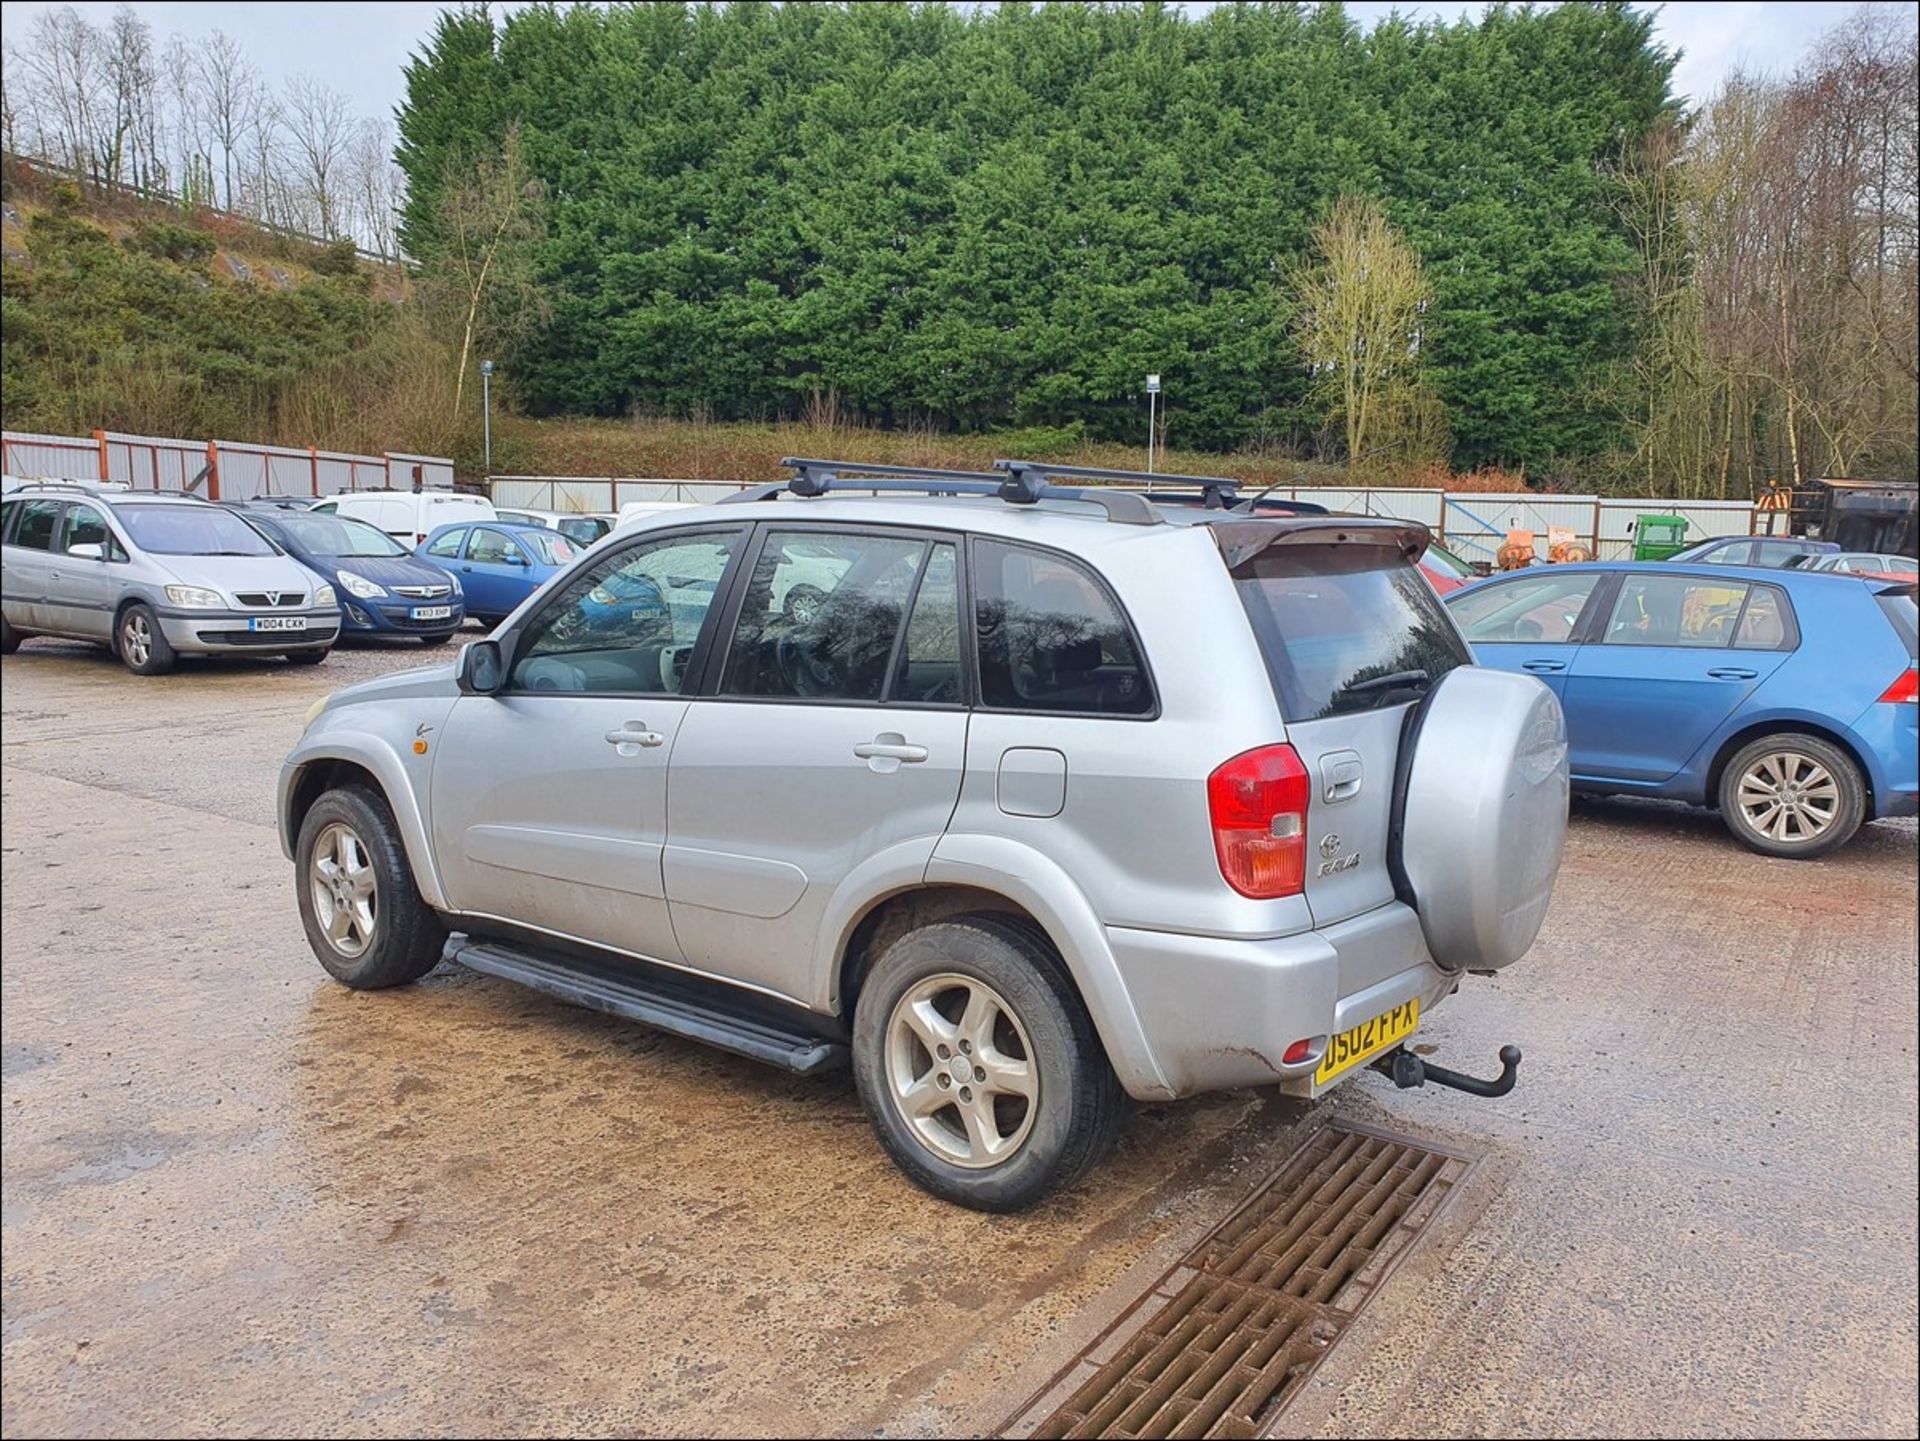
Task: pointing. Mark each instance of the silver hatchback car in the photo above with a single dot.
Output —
(1057, 796)
(153, 576)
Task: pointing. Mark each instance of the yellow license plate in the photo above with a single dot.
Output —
(1369, 1038)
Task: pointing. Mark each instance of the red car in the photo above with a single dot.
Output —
(1444, 570)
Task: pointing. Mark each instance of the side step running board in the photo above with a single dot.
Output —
(671, 1006)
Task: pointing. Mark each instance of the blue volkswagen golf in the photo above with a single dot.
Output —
(383, 588)
(1785, 698)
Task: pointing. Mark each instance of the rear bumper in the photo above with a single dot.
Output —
(209, 632)
(1219, 1013)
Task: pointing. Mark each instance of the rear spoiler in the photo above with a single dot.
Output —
(1241, 540)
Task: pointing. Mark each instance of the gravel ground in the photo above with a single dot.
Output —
(239, 1198)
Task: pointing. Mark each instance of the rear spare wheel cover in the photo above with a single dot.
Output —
(1486, 815)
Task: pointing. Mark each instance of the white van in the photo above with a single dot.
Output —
(407, 515)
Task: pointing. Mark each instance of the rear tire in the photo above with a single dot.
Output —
(309, 657)
(434, 640)
(1793, 796)
(988, 991)
(363, 915)
(142, 645)
(9, 637)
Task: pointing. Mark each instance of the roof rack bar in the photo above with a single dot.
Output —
(1096, 472)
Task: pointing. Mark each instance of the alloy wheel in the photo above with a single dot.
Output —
(1788, 796)
(344, 889)
(136, 638)
(961, 1071)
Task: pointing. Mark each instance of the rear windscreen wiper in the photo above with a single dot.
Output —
(1397, 680)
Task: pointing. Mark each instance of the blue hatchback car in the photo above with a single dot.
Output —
(383, 588)
(1786, 698)
(498, 563)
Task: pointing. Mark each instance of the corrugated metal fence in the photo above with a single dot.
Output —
(1471, 524)
(217, 469)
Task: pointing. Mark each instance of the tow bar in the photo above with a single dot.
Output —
(1408, 1071)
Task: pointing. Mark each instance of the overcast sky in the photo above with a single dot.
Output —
(359, 46)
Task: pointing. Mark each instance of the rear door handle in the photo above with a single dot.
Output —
(634, 733)
(890, 750)
(1543, 665)
(1732, 672)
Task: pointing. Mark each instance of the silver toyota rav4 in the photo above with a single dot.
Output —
(153, 576)
(1060, 794)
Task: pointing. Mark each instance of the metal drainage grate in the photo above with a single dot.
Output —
(1231, 1331)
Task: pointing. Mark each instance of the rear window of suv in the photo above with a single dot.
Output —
(1345, 627)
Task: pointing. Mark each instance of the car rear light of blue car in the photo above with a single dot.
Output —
(1258, 802)
(1905, 689)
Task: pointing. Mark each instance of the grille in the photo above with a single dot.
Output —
(267, 599)
(1229, 1334)
(278, 639)
(422, 592)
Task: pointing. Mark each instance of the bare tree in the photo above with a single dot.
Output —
(376, 184)
(64, 65)
(1358, 313)
(480, 277)
(319, 127)
(124, 139)
(231, 91)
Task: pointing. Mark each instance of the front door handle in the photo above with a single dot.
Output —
(634, 733)
(893, 750)
(1542, 666)
(1732, 672)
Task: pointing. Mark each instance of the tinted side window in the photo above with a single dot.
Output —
(820, 616)
(930, 656)
(34, 530)
(1675, 610)
(1050, 637)
(1539, 608)
(7, 508)
(448, 545)
(628, 624)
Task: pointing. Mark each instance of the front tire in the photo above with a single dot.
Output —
(143, 646)
(979, 1066)
(362, 912)
(1794, 796)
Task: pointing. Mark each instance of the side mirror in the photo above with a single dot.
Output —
(87, 550)
(483, 668)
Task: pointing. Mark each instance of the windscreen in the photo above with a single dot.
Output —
(192, 529)
(1345, 627)
(336, 536)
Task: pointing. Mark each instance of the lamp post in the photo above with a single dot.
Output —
(486, 413)
(1153, 399)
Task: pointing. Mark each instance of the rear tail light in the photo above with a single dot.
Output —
(1905, 689)
(1258, 803)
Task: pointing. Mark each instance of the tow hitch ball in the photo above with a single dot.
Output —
(1408, 1071)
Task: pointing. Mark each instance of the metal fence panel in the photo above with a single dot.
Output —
(244, 469)
(49, 457)
(590, 493)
